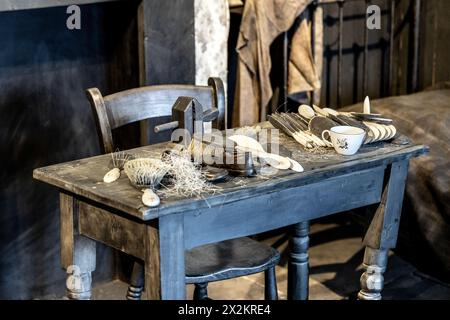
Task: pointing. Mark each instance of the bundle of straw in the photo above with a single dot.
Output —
(186, 177)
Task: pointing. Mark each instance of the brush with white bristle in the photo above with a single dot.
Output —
(146, 174)
(186, 178)
(119, 159)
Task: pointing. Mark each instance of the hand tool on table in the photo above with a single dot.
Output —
(188, 114)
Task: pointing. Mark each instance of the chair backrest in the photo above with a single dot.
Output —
(119, 109)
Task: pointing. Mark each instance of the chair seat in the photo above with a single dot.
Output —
(228, 259)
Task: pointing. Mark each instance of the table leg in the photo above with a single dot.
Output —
(298, 268)
(78, 253)
(152, 264)
(372, 281)
(164, 261)
(382, 232)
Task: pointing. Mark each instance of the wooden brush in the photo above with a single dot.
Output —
(146, 174)
(118, 160)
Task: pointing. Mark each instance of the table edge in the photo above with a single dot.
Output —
(295, 179)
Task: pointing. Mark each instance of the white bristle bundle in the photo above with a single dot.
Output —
(146, 172)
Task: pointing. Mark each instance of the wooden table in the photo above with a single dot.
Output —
(113, 213)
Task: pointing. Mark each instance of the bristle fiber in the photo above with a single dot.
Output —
(187, 179)
(146, 172)
(119, 158)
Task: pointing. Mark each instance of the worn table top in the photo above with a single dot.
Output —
(85, 177)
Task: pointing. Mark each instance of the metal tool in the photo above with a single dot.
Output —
(188, 114)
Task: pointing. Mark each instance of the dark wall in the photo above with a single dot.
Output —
(435, 44)
(169, 57)
(353, 48)
(169, 41)
(45, 119)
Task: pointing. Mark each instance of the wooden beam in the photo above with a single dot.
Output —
(13, 5)
(167, 41)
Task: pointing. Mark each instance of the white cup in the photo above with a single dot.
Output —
(345, 140)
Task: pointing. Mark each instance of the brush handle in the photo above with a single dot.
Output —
(150, 198)
(295, 166)
(310, 142)
(112, 175)
(274, 160)
(301, 139)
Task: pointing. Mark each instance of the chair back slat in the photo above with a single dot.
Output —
(151, 102)
(125, 107)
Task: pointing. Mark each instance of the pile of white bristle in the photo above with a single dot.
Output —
(187, 179)
(146, 172)
(119, 158)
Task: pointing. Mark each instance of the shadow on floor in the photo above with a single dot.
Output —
(336, 254)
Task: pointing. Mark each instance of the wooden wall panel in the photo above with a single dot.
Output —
(167, 51)
(353, 42)
(45, 118)
(168, 39)
(12, 5)
(435, 44)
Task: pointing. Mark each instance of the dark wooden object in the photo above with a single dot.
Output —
(382, 234)
(243, 257)
(183, 103)
(12, 5)
(206, 263)
(413, 69)
(299, 262)
(338, 183)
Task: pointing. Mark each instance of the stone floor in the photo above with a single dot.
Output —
(335, 257)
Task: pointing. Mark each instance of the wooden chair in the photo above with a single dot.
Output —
(214, 262)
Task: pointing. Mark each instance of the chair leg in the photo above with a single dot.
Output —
(201, 291)
(270, 287)
(136, 282)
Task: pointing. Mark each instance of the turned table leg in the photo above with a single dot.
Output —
(78, 253)
(375, 262)
(382, 232)
(298, 269)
